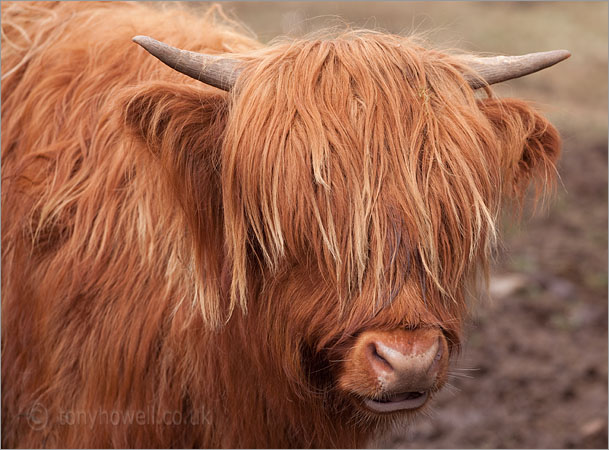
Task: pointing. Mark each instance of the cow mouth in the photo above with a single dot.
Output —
(397, 402)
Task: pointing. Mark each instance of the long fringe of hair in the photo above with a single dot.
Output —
(406, 166)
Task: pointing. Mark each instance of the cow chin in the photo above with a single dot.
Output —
(394, 372)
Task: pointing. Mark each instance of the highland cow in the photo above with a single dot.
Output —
(267, 246)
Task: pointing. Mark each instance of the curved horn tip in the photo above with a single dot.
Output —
(144, 41)
(215, 70)
(139, 39)
(496, 69)
(559, 55)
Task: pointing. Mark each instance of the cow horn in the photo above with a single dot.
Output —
(495, 69)
(222, 72)
(216, 71)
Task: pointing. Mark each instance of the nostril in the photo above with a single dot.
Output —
(375, 357)
(436, 360)
(439, 354)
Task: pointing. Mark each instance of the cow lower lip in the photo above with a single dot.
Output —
(407, 400)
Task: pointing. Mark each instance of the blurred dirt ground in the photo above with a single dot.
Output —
(533, 372)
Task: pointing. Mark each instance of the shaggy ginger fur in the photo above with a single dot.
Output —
(174, 250)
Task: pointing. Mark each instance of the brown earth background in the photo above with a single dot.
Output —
(533, 371)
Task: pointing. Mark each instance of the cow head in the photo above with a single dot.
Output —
(349, 189)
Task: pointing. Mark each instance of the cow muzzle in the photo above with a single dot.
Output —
(389, 371)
